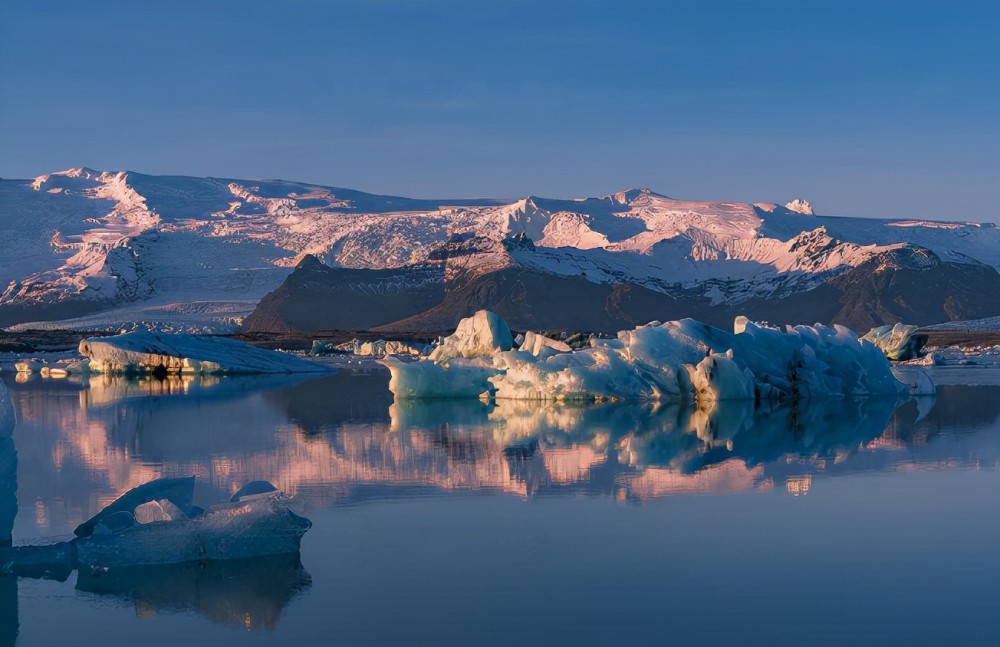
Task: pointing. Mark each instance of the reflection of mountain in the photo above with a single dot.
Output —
(339, 438)
(250, 593)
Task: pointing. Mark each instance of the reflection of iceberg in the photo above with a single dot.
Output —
(250, 592)
(360, 445)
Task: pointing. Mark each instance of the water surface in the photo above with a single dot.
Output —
(457, 523)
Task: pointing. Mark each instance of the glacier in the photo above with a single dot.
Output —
(675, 361)
(96, 248)
(149, 352)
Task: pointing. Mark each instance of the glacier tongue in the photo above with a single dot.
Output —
(676, 361)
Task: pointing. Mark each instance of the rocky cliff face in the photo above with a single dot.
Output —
(906, 283)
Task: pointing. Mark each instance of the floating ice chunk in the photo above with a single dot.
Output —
(898, 342)
(155, 523)
(377, 348)
(479, 335)
(142, 352)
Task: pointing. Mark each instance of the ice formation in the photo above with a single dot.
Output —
(156, 523)
(480, 335)
(539, 345)
(674, 361)
(377, 348)
(142, 352)
(899, 342)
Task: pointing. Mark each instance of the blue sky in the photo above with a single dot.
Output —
(864, 108)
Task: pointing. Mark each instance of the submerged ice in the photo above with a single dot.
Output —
(674, 361)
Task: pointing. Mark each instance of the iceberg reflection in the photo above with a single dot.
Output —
(341, 439)
(250, 593)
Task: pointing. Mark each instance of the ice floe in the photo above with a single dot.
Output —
(156, 523)
(148, 352)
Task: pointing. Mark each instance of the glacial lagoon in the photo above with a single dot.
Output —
(871, 522)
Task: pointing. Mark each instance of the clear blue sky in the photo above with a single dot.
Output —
(864, 108)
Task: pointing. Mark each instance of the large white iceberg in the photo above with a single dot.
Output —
(145, 352)
(674, 361)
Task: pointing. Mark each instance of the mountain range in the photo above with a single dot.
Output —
(90, 249)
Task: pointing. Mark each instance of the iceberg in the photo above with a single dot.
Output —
(377, 348)
(898, 342)
(480, 335)
(157, 524)
(676, 361)
(148, 352)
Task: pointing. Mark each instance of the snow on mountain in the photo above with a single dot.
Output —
(85, 241)
(798, 205)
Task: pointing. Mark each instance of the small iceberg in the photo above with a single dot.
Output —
(157, 524)
(148, 352)
(898, 342)
(376, 348)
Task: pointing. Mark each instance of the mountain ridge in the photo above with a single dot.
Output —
(91, 241)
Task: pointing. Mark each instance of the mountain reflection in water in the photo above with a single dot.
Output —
(341, 439)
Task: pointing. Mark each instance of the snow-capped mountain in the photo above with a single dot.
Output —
(105, 246)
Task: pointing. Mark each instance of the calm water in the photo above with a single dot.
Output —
(448, 523)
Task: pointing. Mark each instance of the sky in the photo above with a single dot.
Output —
(888, 109)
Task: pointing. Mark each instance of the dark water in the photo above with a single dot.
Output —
(455, 523)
